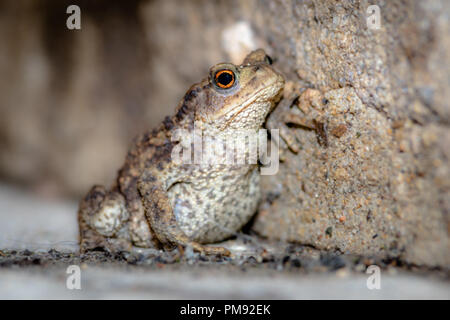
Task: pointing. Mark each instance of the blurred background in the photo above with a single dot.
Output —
(72, 100)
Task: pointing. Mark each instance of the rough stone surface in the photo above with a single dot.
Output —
(383, 186)
(70, 102)
(358, 195)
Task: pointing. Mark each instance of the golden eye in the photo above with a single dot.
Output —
(224, 78)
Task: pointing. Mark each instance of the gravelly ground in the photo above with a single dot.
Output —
(38, 243)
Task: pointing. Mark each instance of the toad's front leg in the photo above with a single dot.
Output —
(161, 218)
(305, 115)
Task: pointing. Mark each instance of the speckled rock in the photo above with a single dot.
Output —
(360, 194)
(382, 184)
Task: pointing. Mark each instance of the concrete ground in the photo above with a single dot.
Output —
(38, 241)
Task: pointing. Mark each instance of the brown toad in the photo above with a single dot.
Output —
(158, 201)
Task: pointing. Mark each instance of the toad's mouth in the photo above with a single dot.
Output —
(251, 100)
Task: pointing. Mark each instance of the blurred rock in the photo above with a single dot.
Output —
(71, 101)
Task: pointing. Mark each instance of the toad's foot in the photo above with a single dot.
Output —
(102, 216)
(304, 116)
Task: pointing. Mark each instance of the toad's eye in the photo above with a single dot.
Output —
(224, 78)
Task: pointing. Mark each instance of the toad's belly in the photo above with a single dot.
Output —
(211, 210)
